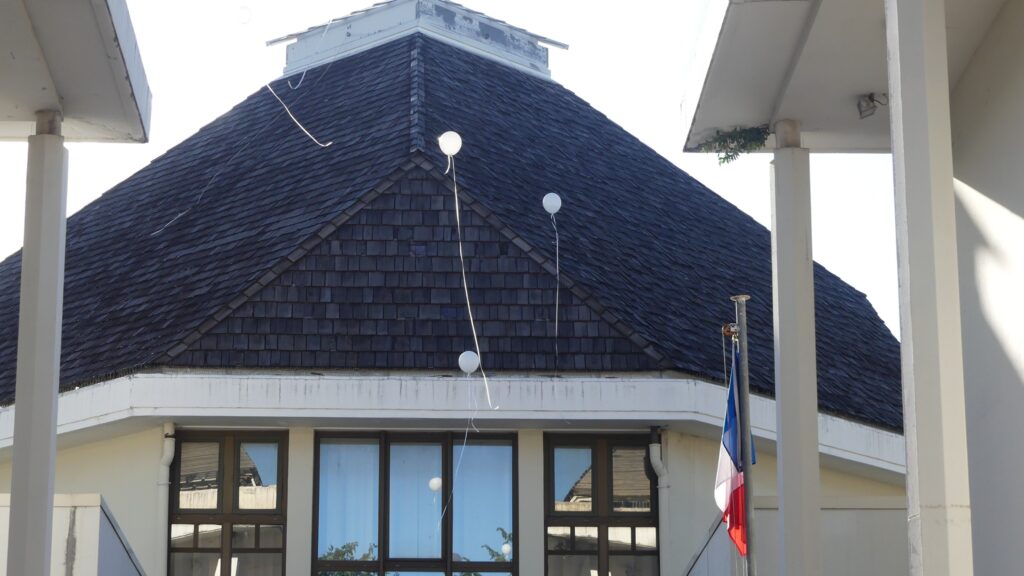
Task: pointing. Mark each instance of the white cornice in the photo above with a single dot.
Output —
(355, 400)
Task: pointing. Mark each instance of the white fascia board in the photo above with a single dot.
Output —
(353, 400)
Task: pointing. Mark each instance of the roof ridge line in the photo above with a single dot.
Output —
(417, 98)
(415, 160)
(548, 265)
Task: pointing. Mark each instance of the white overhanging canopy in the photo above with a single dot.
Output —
(69, 70)
(811, 60)
(78, 57)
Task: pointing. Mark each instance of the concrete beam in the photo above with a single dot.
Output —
(796, 383)
(938, 496)
(39, 332)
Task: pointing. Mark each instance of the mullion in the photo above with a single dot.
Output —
(448, 500)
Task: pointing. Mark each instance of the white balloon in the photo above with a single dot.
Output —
(434, 484)
(469, 361)
(552, 202)
(506, 549)
(450, 143)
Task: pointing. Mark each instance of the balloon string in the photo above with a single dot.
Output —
(558, 285)
(296, 120)
(465, 283)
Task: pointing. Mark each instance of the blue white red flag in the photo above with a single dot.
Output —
(730, 493)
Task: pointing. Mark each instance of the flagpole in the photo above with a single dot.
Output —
(745, 437)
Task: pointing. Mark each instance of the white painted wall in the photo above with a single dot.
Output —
(854, 540)
(692, 463)
(988, 124)
(124, 470)
(86, 540)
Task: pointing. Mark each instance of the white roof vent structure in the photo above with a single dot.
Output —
(440, 19)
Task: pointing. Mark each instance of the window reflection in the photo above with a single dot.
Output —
(182, 535)
(620, 538)
(632, 566)
(256, 564)
(195, 563)
(208, 536)
(631, 487)
(586, 537)
(559, 538)
(646, 539)
(482, 503)
(573, 480)
(566, 565)
(416, 498)
(257, 476)
(349, 488)
(199, 475)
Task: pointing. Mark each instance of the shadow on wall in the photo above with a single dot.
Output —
(990, 240)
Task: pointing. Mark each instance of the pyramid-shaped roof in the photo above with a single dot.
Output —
(176, 264)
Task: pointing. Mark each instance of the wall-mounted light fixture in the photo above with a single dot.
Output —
(867, 104)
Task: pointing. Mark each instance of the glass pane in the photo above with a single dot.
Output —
(631, 488)
(482, 574)
(573, 480)
(195, 563)
(646, 539)
(199, 476)
(586, 538)
(632, 566)
(349, 498)
(620, 538)
(253, 564)
(559, 538)
(271, 537)
(482, 500)
(243, 536)
(209, 536)
(572, 565)
(257, 476)
(181, 535)
(415, 503)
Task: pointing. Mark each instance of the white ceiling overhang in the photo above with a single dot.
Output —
(810, 60)
(76, 56)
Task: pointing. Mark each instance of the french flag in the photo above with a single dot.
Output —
(729, 490)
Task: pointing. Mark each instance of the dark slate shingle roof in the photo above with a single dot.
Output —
(640, 238)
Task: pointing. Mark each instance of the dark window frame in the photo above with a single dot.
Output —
(602, 514)
(384, 563)
(227, 514)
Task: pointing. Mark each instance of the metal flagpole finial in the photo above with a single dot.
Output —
(740, 298)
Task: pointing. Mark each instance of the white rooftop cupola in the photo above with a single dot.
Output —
(440, 19)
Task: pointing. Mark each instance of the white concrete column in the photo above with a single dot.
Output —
(796, 382)
(38, 372)
(530, 531)
(299, 544)
(938, 500)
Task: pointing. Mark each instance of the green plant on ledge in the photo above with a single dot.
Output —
(731, 143)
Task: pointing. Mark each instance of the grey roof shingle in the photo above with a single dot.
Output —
(645, 242)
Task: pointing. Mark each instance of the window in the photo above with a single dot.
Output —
(391, 504)
(227, 504)
(601, 509)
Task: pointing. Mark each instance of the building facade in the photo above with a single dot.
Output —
(262, 332)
